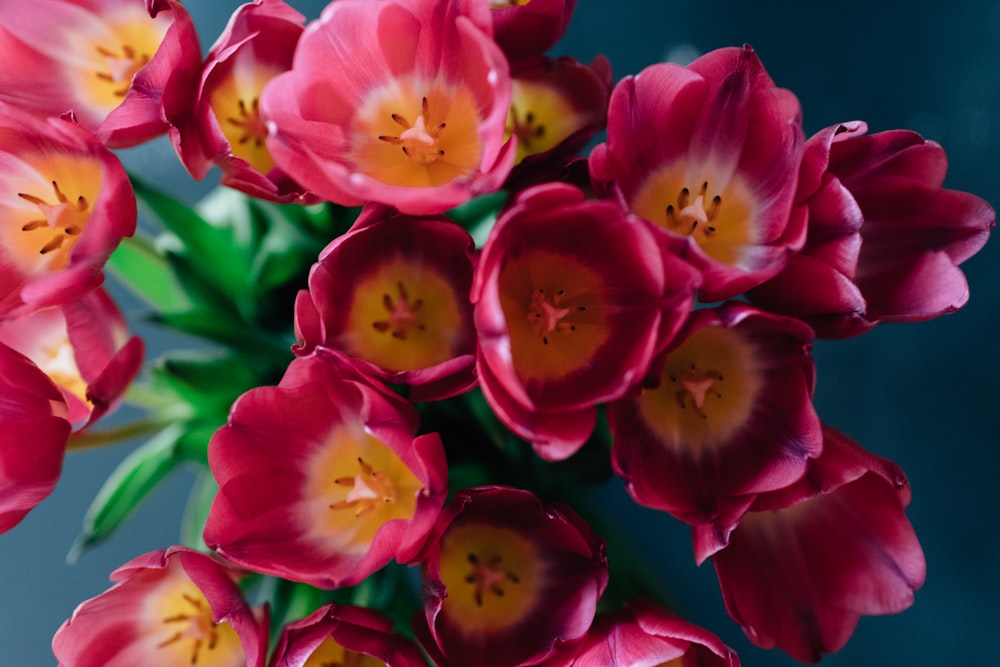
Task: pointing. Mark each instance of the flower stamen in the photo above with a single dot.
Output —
(200, 628)
(250, 122)
(65, 218)
(402, 314)
(121, 68)
(418, 141)
(487, 577)
(695, 386)
(547, 317)
(688, 214)
(368, 489)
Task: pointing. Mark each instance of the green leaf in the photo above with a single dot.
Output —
(147, 273)
(208, 381)
(127, 487)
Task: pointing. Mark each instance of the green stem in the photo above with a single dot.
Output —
(115, 435)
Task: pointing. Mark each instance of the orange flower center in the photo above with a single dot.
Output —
(720, 220)
(63, 219)
(191, 637)
(398, 142)
(121, 68)
(492, 576)
(540, 117)
(368, 489)
(707, 391)
(555, 314)
(235, 101)
(404, 316)
(356, 484)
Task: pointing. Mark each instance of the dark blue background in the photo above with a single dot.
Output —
(923, 395)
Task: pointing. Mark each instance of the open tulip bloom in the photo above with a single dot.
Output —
(434, 323)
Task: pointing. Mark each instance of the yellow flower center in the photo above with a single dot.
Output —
(555, 314)
(404, 316)
(408, 138)
(53, 204)
(126, 42)
(331, 654)
(707, 391)
(188, 635)
(492, 575)
(500, 4)
(540, 118)
(720, 220)
(356, 484)
(235, 101)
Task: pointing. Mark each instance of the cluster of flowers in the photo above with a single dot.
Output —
(591, 294)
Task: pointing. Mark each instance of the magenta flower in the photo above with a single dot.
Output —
(173, 607)
(730, 415)
(35, 431)
(710, 153)
(226, 128)
(645, 635)
(525, 28)
(571, 298)
(885, 239)
(117, 65)
(66, 203)
(809, 560)
(347, 636)
(321, 478)
(84, 347)
(401, 102)
(393, 293)
(510, 579)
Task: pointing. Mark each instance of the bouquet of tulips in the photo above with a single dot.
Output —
(437, 318)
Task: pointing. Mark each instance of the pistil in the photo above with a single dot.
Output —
(65, 218)
(402, 312)
(695, 385)
(196, 626)
(688, 214)
(121, 68)
(546, 315)
(525, 130)
(368, 489)
(488, 577)
(418, 141)
(249, 121)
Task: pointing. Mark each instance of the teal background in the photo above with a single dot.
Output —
(923, 395)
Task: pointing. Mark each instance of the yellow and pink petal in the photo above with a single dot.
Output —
(728, 415)
(172, 607)
(403, 103)
(321, 478)
(65, 204)
(392, 293)
(116, 65)
(226, 128)
(84, 347)
(509, 579)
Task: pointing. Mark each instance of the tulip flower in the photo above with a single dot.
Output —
(525, 28)
(321, 478)
(83, 347)
(226, 128)
(885, 239)
(173, 607)
(557, 105)
(35, 432)
(728, 415)
(510, 579)
(344, 635)
(66, 203)
(392, 293)
(401, 102)
(646, 635)
(571, 298)
(118, 66)
(808, 561)
(709, 153)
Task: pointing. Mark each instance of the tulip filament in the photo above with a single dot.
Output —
(418, 141)
(67, 219)
(121, 68)
(198, 627)
(368, 489)
(488, 577)
(402, 314)
(688, 214)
